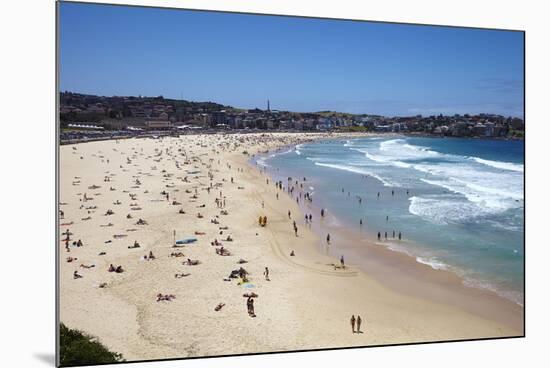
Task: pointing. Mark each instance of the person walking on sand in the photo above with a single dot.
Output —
(359, 324)
(250, 306)
(289, 214)
(328, 238)
(266, 274)
(352, 320)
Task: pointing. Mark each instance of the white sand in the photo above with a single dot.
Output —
(306, 305)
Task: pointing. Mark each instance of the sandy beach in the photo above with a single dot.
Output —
(307, 301)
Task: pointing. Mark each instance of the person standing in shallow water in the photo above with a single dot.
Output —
(342, 262)
(352, 321)
(328, 238)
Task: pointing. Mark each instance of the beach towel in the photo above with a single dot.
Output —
(186, 241)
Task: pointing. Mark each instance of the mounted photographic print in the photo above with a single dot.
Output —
(234, 183)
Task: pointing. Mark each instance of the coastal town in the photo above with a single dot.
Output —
(89, 117)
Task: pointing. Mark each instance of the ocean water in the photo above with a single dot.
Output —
(459, 203)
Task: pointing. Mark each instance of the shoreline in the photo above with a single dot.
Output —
(393, 267)
(305, 305)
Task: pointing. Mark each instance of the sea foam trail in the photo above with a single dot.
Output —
(510, 166)
(358, 170)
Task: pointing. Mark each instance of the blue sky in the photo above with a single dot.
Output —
(299, 64)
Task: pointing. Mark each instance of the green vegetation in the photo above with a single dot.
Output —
(516, 133)
(354, 129)
(78, 348)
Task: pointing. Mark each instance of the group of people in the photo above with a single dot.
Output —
(117, 269)
(356, 322)
(386, 235)
(262, 220)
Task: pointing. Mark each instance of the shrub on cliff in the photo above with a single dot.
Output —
(78, 348)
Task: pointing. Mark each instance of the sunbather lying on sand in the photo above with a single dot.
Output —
(222, 251)
(250, 295)
(177, 254)
(76, 275)
(70, 259)
(167, 297)
(141, 222)
(86, 266)
(219, 306)
(180, 275)
(191, 262)
(136, 245)
(200, 233)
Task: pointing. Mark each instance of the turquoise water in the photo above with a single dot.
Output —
(458, 203)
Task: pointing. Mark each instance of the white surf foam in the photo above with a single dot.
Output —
(358, 170)
(499, 164)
